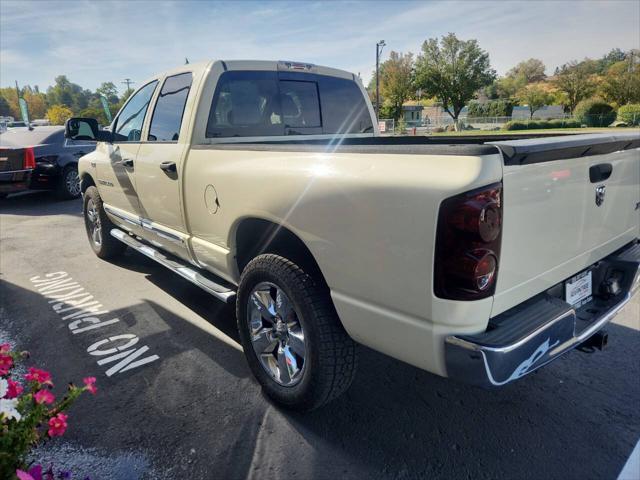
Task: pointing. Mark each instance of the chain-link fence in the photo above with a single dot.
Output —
(445, 123)
(387, 126)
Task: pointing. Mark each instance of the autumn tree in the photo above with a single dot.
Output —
(529, 71)
(534, 96)
(453, 70)
(621, 82)
(576, 81)
(58, 114)
(396, 81)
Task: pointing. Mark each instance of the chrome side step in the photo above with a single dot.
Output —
(221, 292)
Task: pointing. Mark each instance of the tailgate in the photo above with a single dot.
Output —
(11, 159)
(568, 202)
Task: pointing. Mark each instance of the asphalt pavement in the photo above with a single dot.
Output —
(177, 400)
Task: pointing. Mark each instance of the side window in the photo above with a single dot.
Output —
(128, 125)
(245, 104)
(167, 114)
(299, 103)
(343, 107)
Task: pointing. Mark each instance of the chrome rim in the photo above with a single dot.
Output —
(276, 333)
(93, 223)
(72, 182)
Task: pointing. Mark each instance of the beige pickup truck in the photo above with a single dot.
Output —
(267, 184)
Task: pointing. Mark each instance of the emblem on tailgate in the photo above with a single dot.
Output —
(600, 191)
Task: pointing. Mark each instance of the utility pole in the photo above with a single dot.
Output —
(127, 82)
(379, 46)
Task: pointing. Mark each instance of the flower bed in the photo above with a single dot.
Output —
(30, 415)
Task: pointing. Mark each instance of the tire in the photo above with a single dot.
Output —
(328, 363)
(69, 183)
(103, 245)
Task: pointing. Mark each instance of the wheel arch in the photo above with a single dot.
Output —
(254, 236)
(86, 181)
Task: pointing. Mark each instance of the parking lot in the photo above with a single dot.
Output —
(186, 406)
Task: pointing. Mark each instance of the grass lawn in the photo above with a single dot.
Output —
(540, 130)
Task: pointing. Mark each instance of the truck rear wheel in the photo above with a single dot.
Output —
(294, 342)
(98, 226)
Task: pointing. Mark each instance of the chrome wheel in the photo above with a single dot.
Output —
(93, 223)
(72, 182)
(276, 334)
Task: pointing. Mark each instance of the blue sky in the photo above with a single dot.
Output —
(96, 41)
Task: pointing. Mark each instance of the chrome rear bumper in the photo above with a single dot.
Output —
(541, 329)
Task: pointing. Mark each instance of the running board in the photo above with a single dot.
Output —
(198, 278)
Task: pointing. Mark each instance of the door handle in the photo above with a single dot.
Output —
(127, 163)
(169, 167)
(600, 172)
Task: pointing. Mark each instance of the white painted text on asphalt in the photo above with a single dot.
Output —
(72, 302)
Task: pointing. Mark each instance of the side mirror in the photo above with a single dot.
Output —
(78, 128)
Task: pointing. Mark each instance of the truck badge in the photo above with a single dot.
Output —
(600, 191)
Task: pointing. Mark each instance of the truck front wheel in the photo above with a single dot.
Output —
(294, 342)
(98, 226)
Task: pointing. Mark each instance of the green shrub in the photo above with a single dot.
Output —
(492, 108)
(515, 125)
(630, 114)
(595, 112)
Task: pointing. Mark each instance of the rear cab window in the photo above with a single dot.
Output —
(169, 110)
(270, 103)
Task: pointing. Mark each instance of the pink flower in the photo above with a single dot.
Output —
(90, 384)
(44, 396)
(4, 348)
(13, 389)
(6, 362)
(37, 375)
(34, 473)
(57, 425)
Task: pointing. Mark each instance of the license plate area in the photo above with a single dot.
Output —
(578, 290)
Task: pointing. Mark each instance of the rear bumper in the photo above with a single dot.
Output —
(15, 181)
(541, 329)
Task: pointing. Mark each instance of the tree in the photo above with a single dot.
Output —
(58, 114)
(621, 82)
(396, 81)
(530, 71)
(109, 91)
(453, 71)
(37, 103)
(576, 81)
(535, 97)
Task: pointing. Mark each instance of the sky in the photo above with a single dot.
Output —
(96, 41)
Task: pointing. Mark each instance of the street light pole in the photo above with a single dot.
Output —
(379, 47)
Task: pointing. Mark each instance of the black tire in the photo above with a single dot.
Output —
(69, 183)
(331, 361)
(108, 247)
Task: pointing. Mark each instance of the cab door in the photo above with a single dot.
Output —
(159, 167)
(116, 175)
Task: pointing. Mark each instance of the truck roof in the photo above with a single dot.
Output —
(267, 65)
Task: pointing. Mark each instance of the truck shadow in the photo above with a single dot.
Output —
(576, 418)
(397, 421)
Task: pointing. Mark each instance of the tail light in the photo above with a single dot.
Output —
(29, 159)
(468, 244)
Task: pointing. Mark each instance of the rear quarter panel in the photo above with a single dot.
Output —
(369, 220)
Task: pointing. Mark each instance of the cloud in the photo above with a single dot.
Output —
(93, 41)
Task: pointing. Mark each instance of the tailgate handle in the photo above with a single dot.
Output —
(600, 172)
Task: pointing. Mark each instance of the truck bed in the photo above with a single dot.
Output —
(565, 145)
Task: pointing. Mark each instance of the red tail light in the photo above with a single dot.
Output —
(468, 244)
(29, 159)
